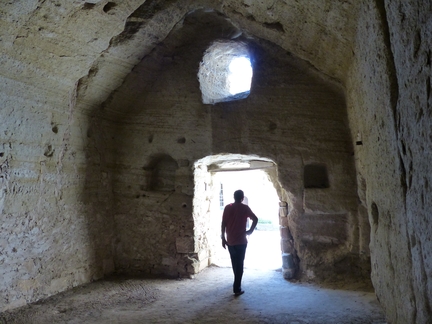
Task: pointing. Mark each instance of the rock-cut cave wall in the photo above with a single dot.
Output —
(292, 117)
(389, 105)
(63, 179)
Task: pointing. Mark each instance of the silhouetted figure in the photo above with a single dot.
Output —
(234, 225)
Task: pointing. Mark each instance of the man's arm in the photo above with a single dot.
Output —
(254, 224)
(223, 227)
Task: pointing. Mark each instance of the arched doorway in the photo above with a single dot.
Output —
(216, 179)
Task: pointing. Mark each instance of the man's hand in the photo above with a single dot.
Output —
(224, 242)
(254, 224)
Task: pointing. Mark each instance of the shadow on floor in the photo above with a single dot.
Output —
(205, 299)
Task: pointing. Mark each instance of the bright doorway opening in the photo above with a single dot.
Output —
(264, 249)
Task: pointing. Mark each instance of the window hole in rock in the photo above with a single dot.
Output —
(225, 72)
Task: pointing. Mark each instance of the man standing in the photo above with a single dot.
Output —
(234, 225)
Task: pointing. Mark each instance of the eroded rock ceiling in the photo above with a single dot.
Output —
(99, 42)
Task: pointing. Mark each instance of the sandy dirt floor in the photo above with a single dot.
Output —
(207, 298)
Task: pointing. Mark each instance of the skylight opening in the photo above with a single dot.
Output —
(225, 72)
(240, 76)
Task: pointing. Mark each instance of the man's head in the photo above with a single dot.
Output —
(238, 196)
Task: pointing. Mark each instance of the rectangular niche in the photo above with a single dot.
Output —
(316, 176)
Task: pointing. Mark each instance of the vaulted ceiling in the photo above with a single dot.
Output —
(57, 43)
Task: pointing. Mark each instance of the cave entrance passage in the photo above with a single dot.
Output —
(220, 182)
(263, 251)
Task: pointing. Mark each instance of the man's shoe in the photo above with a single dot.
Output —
(241, 292)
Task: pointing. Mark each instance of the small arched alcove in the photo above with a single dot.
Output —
(161, 173)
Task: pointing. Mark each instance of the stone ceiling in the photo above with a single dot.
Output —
(99, 42)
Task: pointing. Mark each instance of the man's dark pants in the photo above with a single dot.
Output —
(237, 254)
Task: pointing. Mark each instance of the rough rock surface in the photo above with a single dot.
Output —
(389, 106)
(102, 124)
